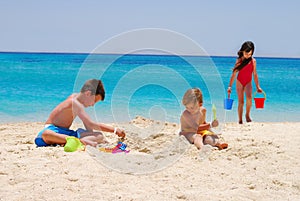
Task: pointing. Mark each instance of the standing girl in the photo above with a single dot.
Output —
(245, 67)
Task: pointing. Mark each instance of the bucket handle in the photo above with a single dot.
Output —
(260, 92)
(228, 95)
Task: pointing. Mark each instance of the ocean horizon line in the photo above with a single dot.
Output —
(139, 54)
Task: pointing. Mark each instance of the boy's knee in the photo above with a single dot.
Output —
(99, 137)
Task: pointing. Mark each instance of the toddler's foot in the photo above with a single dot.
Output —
(241, 122)
(221, 146)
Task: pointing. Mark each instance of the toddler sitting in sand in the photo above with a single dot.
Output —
(193, 121)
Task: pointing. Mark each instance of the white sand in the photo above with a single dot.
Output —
(261, 163)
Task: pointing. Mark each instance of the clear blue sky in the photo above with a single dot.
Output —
(220, 27)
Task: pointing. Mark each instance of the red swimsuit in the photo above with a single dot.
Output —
(245, 74)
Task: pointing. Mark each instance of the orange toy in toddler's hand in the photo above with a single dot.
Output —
(203, 127)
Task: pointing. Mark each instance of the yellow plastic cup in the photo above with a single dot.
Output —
(73, 144)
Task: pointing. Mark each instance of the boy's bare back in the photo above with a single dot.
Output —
(63, 114)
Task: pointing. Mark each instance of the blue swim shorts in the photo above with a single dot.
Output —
(41, 143)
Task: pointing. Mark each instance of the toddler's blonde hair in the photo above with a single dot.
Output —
(193, 95)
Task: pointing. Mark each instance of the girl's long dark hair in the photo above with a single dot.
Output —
(247, 47)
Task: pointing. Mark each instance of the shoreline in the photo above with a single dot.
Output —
(168, 122)
(261, 163)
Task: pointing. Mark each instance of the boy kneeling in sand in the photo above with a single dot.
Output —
(193, 121)
(61, 118)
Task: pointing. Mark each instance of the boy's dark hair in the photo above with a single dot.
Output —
(247, 47)
(95, 87)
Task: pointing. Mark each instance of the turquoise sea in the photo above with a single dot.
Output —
(32, 84)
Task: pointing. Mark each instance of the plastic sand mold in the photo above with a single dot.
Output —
(119, 148)
(73, 144)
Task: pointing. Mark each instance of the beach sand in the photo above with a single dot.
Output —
(261, 163)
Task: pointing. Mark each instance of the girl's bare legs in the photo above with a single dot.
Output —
(248, 91)
(240, 93)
